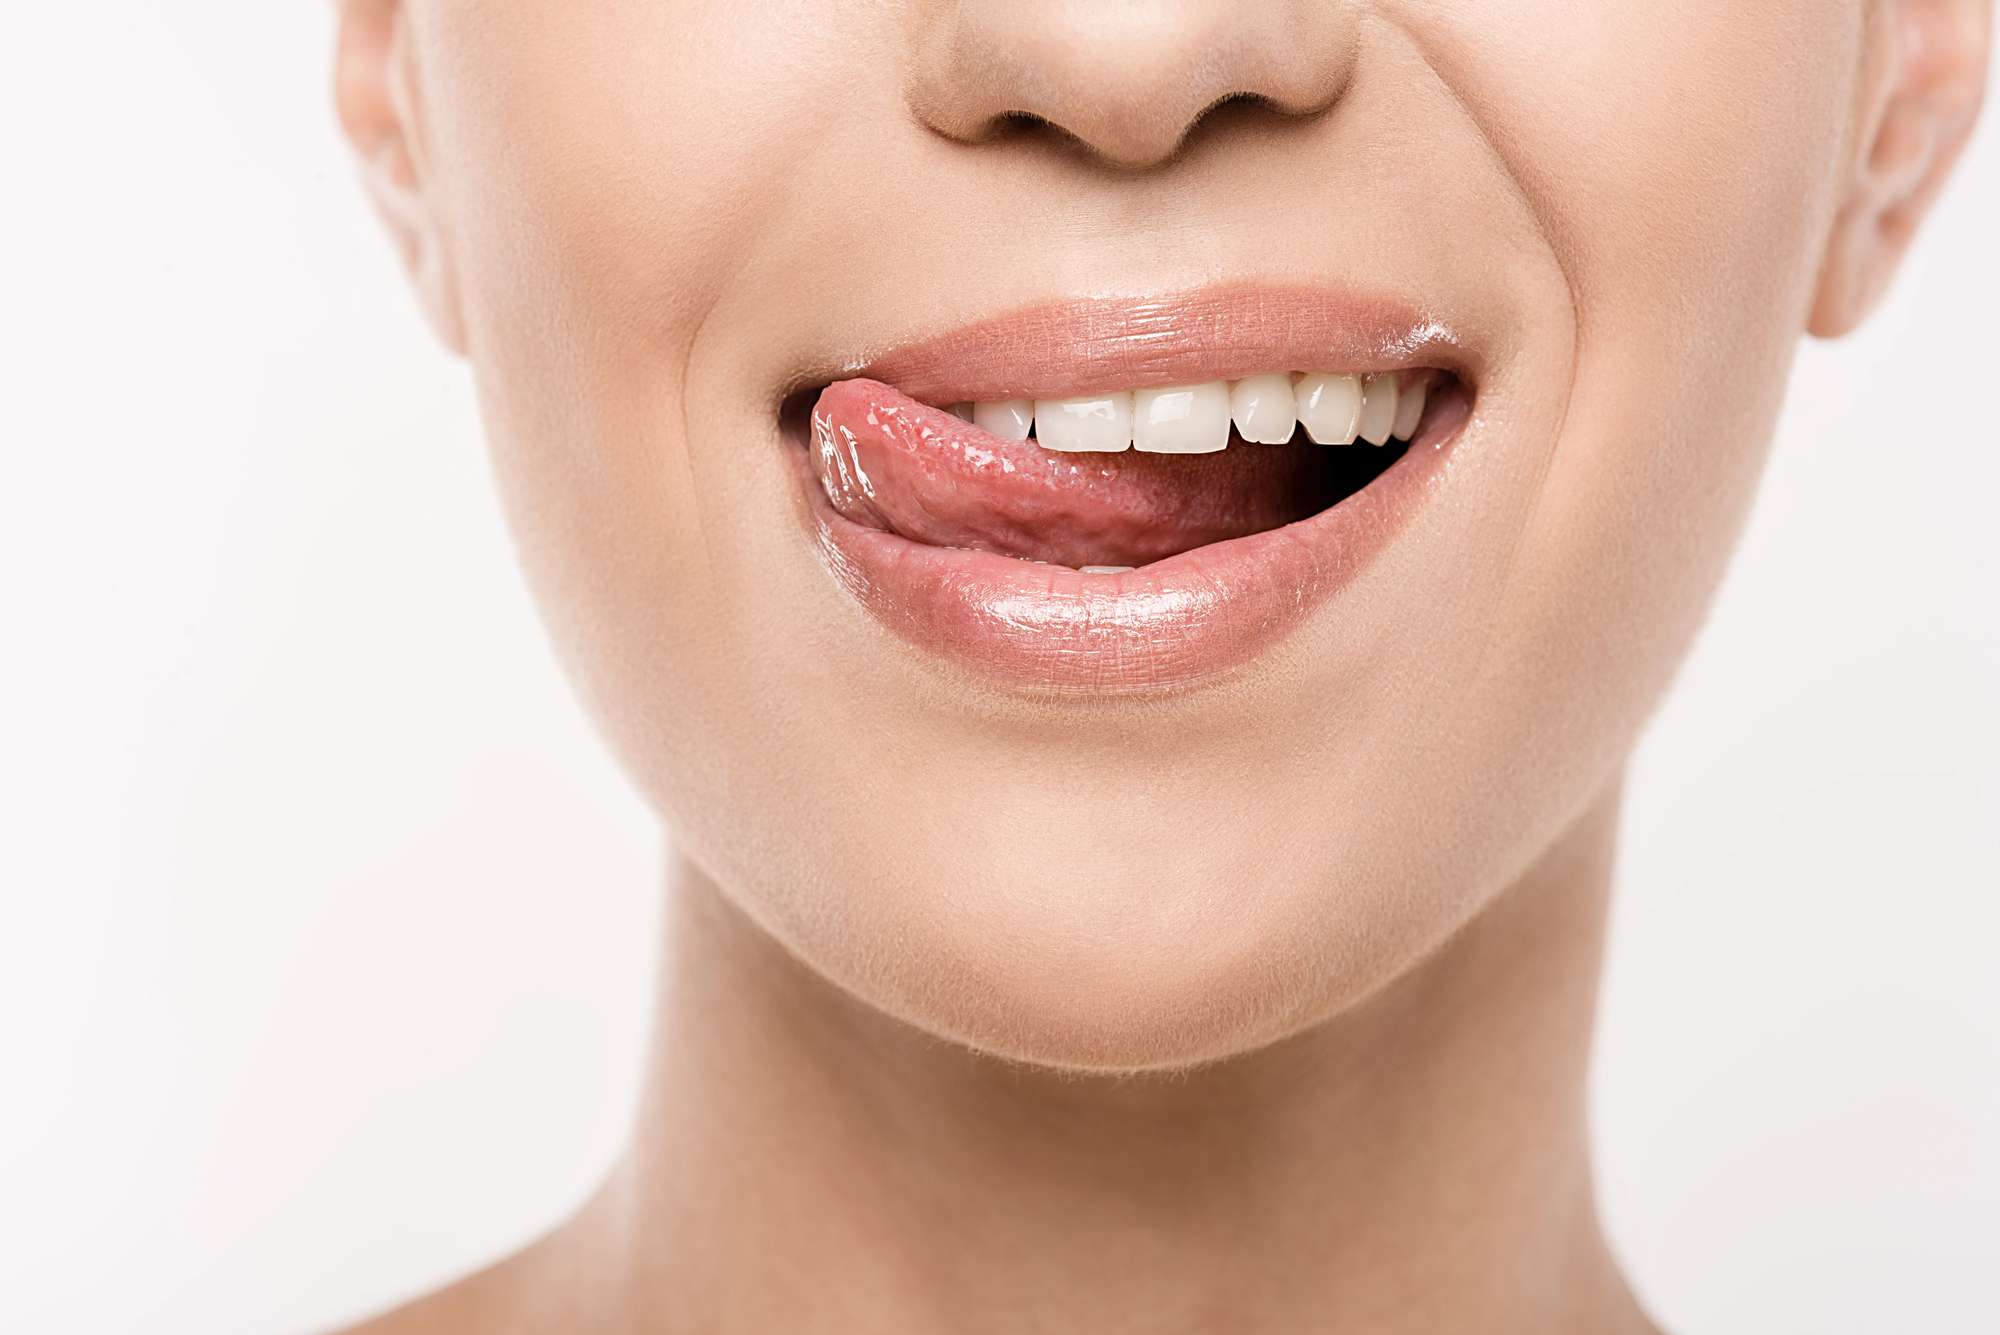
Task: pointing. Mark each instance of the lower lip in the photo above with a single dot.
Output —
(1172, 624)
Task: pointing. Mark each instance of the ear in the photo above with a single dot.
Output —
(373, 90)
(1925, 73)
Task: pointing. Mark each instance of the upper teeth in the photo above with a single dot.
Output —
(1335, 409)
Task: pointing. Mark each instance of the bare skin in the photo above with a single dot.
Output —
(805, 1164)
(1260, 1004)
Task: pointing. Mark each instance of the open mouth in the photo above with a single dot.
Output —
(1106, 483)
(1122, 495)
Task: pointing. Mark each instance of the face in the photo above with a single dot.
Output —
(715, 263)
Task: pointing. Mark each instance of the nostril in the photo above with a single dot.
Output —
(1234, 105)
(1024, 124)
(1240, 110)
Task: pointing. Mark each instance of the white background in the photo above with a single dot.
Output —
(326, 928)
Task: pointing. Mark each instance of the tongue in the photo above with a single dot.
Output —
(889, 462)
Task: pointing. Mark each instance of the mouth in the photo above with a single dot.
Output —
(1127, 495)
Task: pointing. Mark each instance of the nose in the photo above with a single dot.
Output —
(1128, 79)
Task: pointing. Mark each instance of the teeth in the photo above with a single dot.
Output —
(1378, 409)
(1334, 408)
(1099, 424)
(1105, 570)
(1329, 406)
(1008, 420)
(1409, 411)
(1190, 419)
(1262, 407)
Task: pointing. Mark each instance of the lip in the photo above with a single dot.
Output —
(1066, 349)
(1176, 622)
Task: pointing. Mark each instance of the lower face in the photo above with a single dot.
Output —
(882, 669)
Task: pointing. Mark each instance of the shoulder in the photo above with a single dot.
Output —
(515, 1297)
(560, 1285)
(453, 1311)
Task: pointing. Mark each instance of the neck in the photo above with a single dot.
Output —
(1417, 1163)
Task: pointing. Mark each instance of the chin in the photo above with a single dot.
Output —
(1108, 951)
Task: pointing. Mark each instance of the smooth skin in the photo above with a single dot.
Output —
(1260, 1005)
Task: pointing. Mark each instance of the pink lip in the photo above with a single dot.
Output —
(1071, 348)
(1188, 617)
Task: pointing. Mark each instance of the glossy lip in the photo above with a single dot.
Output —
(1068, 349)
(1186, 619)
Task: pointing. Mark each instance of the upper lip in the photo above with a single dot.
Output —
(1068, 348)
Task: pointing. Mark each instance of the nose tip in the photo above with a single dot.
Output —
(1127, 79)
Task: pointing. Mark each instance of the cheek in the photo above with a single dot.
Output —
(1677, 154)
(1680, 160)
(609, 171)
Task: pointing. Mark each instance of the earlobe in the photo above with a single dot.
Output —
(1927, 76)
(372, 92)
